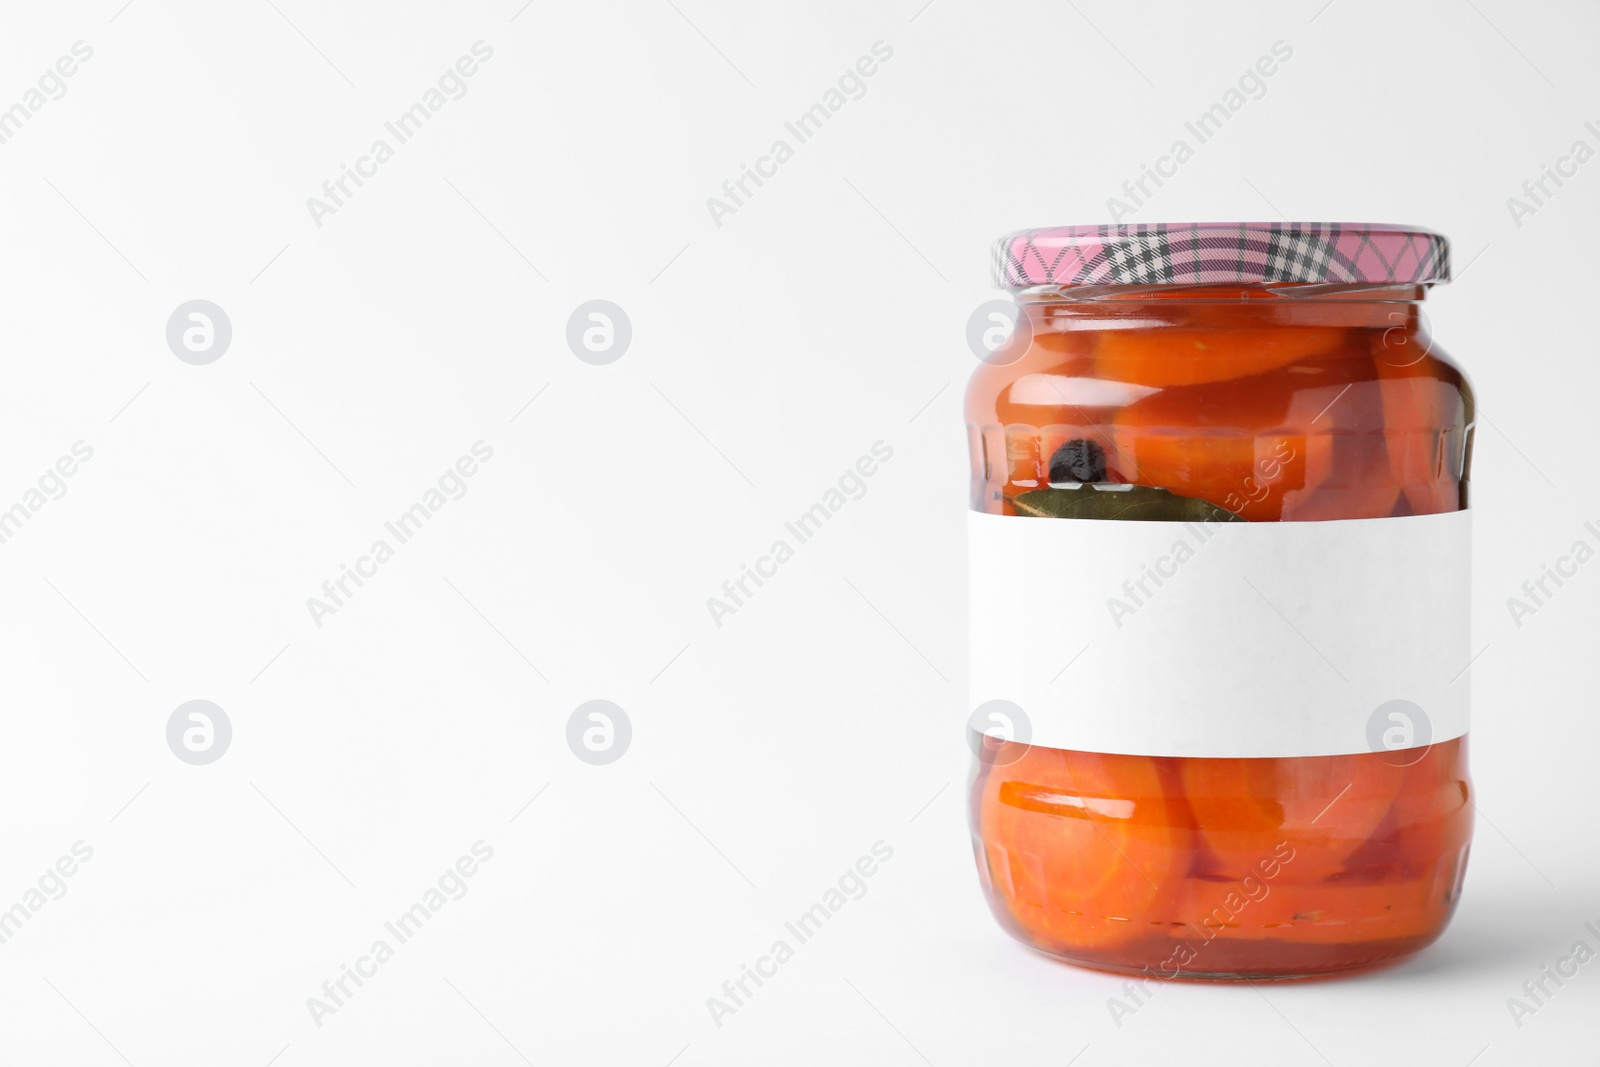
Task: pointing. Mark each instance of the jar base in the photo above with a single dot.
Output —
(1247, 961)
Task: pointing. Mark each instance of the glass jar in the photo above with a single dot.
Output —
(1219, 610)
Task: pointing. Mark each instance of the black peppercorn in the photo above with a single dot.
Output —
(1079, 460)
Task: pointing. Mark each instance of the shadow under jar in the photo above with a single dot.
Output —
(1219, 600)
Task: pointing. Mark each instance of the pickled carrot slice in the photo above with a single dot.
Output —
(1417, 408)
(1203, 442)
(1433, 813)
(1084, 850)
(1165, 357)
(1061, 351)
(1323, 807)
(1288, 445)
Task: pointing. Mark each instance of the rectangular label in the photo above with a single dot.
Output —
(1222, 639)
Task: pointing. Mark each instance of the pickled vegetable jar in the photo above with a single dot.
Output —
(1219, 599)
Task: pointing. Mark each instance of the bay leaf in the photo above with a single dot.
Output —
(1133, 502)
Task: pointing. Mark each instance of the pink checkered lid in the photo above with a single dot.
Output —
(1225, 253)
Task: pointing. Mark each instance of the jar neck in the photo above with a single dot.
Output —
(1057, 309)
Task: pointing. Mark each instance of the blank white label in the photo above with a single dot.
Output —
(1223, 639)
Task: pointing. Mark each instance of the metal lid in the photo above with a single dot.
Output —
(1227, 253)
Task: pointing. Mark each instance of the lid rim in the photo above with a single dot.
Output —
(1227, 253)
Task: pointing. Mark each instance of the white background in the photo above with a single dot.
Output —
(768, 354)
